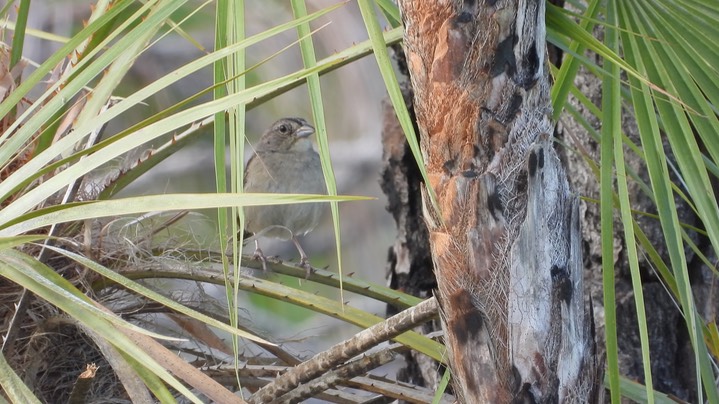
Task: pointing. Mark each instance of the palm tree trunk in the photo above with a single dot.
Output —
(504, 233)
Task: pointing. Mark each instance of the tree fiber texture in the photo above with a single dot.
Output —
(505, 237)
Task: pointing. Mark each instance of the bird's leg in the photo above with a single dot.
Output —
(304, 259)
(259, 255)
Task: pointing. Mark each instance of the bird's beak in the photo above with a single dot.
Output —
(304, 131)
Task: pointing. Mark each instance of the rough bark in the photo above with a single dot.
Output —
(505, 237)
(669, 344)
(409, 267)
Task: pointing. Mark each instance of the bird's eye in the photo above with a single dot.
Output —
(284, 128)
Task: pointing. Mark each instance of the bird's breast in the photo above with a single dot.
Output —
(289, 172)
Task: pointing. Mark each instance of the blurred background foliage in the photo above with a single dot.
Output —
(85, 169)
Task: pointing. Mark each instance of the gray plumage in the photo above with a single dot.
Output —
(284, 162)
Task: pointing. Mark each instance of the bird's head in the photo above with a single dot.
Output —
(287, 134)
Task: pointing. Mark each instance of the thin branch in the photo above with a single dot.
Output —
(337, 376)
(343, 351)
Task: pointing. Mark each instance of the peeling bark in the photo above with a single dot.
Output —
(669, 344)
(409, 260)
(505, 240)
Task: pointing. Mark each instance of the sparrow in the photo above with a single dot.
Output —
(284, 162)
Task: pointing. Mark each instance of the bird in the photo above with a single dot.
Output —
(284, 161)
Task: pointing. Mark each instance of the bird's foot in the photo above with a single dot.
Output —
(305, 263)
(304, 259)
(260, 256)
